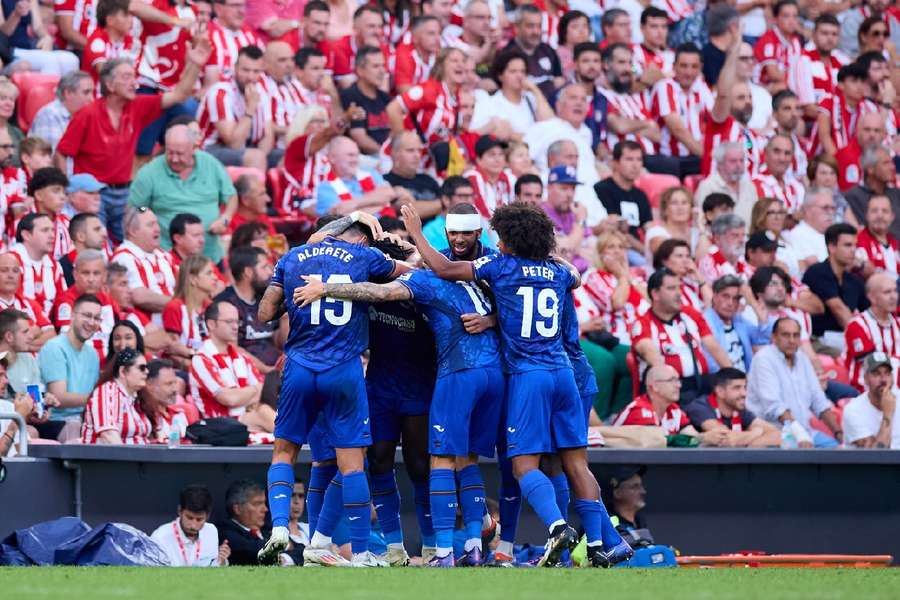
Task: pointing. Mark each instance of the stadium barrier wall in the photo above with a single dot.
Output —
(701, 501)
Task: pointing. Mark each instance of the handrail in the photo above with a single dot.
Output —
(23, 430)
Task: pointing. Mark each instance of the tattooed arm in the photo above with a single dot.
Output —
(271, 305)
(363, 292)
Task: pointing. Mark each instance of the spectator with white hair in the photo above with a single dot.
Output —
(186, 180)
(74, 91)
(807, 238)
(879, 176)
(245, 505)
(726, 254)
(349, 187)
(730, 177)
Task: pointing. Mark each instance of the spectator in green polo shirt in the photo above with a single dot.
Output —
(186, 180)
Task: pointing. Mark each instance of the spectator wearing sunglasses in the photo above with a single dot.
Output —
(112, 415)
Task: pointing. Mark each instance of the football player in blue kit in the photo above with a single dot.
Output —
(468, 394)
(323, 385)
(545, 412)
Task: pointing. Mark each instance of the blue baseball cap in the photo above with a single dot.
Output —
(84, 182)
(563, 174)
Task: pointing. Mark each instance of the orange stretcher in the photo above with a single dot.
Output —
(812, 561)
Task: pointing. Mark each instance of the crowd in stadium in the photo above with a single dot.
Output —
(722, 175)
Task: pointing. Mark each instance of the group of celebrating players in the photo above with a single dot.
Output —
(472, 351)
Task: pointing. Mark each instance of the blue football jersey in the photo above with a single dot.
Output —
(402, 355)
(443, 302)
(328, 331)
(584, 373)
(530, 296)
(482, 251)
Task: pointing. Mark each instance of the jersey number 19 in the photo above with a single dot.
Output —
(332, 315)
(546, 305)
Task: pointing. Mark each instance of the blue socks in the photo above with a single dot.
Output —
(471, 498)
(356, 504)
(319, 478)
(423, 512)
(510, 502)
(591, 518)
(281, 486)
(538, 490)
(561, 487)
(608, 531)
(386, 499)
(332, 506)
(443, 508)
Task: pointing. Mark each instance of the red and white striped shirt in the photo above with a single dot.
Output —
(99, 48)
(843, 120)
(730, 130)
(789, 190)
(303, 174)
(226, 44)
(151, 270)
(36, 315)
(821, 74)
(882, 257)
(13, 191)
(164, 48)
(670, 98)
(630, 106)
(62, 242)
(600, 286)
(188, 326)
(677, 341)
(62, 317)
(490, 196)
(410, 68)
(641, 412)
(281, 99)
(433, 107)
(715, 265)
(676, 9)
(642, 57)
(84, 18)
(225, 102)
(111, 408)
(690, 293)
(395, 26)
(42, 280)
(864, 335)
(775, 49)
(212, 371)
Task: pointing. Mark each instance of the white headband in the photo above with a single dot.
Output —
(470, 222)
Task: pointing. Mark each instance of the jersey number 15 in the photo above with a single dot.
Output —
(332, 315)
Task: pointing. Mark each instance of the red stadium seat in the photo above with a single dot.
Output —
(632, 364)
(835, 370)
(277, 185)
(691, 182)
(235, 172)
(654, 184)
(36, 99)
(27, 82)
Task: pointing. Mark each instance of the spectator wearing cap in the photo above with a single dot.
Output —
(74, 91)
(725, 410)
(782, 388)
(625, 496)
(83, 195)
(759, 251)
(879, 175)
(673, 334)
(567, 216)
(187, 180)
(455, 190)
(726, 254)
(117, 119)
(832, 280)
(564, 152)
(191, 540)
(349, 187)
(730, 177)
(868, 419)
(659, 407)
(621, 197)
(875, 243)
(69, 364)
(87, 233)
(734, 333)
(406, 154)
(48, 188)
(491, 183)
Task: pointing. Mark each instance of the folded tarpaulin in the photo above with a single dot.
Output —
(70, 541)
(37, 544)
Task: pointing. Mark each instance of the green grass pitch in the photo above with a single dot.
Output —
(420, 584)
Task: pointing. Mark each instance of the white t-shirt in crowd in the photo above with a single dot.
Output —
(762, 106)
(202, 552)
(521, 116)
(862, 420)
(806, 242)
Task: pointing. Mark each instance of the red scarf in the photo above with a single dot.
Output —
(238, 365)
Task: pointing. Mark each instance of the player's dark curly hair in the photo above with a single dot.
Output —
(392, 249)
(525, 230)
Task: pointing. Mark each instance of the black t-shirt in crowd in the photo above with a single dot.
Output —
(700, 410)
(422, 186)
(543, 65)
(632, 205)
(713, 61)
(255, 336)
(823, 283)
(376, 122)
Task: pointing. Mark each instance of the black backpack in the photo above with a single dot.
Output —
(219, 431)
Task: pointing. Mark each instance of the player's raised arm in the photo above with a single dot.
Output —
(443, 267)
(364, 291)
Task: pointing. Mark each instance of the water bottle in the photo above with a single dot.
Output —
(174, 436)
(787, 436)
